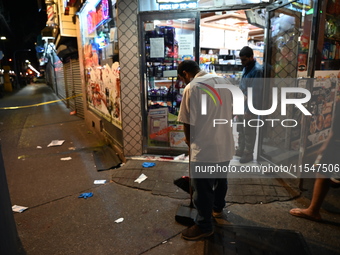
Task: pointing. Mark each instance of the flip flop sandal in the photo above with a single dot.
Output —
(298, 213)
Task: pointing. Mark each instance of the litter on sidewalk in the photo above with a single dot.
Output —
(119, 220)
(141, 178)
(99, 182)
(148, 164)
(18, 208)
(67, 158)
(86, 195)
(56, 143)
(178, 158)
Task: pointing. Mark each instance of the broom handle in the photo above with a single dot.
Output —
(190, 188)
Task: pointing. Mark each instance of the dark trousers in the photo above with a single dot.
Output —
(246, 136)
(208, 195)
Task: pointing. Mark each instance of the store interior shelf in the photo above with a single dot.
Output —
(332, 38)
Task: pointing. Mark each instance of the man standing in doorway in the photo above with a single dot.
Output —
(252, 71)
(211, 146)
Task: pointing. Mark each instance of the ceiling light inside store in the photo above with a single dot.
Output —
(228, 22)
(185, 20)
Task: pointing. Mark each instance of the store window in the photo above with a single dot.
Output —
(100, 50)
(167, 43)
(232, 31)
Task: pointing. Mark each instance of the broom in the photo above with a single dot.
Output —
(185, 214)
(183, 183)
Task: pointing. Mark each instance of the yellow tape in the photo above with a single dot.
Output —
(32, 105)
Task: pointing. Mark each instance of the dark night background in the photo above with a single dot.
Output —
(21, 21)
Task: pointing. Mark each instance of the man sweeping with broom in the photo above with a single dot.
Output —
(211, 146)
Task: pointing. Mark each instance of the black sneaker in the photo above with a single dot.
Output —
(194, 233)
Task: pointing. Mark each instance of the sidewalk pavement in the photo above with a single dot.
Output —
(58, 222)
(160, 179)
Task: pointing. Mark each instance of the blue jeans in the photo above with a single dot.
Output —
(208, 195)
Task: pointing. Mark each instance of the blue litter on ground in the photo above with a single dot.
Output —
(148, 164)
(86, 195)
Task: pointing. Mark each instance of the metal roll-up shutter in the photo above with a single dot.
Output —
(78, 101)
(49, 75)
(59, 73)
(68, 84)
(73, 85)
(59, 77)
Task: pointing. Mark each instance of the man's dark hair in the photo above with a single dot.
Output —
(189, 66)
(246, 51)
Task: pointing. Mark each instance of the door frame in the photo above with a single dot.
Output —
(310, 71)
(158, 15)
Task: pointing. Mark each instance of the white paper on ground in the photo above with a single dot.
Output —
(119, 220)
(99, 182)
(67, 158)
(18, 208)
(56, 143)
(180, 157)
(39, 147)
(141, 178)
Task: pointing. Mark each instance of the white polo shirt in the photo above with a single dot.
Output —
(208, 143)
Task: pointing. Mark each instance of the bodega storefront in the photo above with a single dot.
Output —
(173, 31)
(135, 99)
(284, 39)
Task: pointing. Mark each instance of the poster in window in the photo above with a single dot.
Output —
(157, 47)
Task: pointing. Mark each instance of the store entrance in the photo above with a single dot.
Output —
(289, 28)
(222, 35)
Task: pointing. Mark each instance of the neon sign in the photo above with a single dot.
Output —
(175, 6)
(98, 16)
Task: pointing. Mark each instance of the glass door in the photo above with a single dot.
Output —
(167, 39)
(288, 39)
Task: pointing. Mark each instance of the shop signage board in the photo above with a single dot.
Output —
(176, 4)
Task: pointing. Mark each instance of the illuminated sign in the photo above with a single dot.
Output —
(176, 6)
(98, 16)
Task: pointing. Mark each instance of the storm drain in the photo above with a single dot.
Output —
(244, 240)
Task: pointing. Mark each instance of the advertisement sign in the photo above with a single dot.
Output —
(103, 87)
(98, 16)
